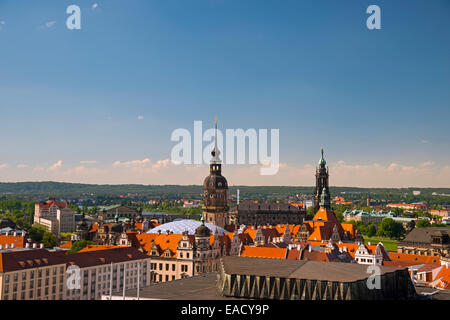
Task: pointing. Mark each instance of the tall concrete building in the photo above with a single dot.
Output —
(55, 216)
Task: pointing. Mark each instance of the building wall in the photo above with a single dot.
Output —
(44, 283)
(122, 211)
(96, 280)
(66, 220)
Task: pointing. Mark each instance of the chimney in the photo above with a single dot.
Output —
(309, 248)
(168, 232)
(27, 245)
(12, 245)
(1, 247)
(6, 246)
(159, 231)
(345, 249)
(15, 234)
(7, 233)
(42, 246)
(34, 245)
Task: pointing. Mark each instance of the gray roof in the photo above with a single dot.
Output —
(201, 287)
(424, 234)
(267, 207)
(299, 269)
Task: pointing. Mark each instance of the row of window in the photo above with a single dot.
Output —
(31, 274)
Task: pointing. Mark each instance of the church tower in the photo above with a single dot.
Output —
(215, 187)
(321, 184)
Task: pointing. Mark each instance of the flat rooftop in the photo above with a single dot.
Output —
(299, 269)
(201, 287)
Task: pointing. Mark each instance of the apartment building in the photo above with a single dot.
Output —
(39, 274)
(31, 274)
(55, 216)
(92, 274)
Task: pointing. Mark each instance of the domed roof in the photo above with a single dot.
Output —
(202, 230)
(83, 224)
(214, 181)
(178, 227)
(117, 227)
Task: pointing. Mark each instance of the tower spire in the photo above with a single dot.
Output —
(322, 159)
(215, 153)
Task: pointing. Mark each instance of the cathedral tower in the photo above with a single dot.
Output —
(215, 187)
(321, 183)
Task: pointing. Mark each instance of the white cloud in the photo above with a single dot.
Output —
(424, 141)
(56, 165)
(94, 6)
(3, 166)
(22, 166)
(50, 24)
(427, 164)
(132, 163)
(140, 117)
(2, 22)
(165, 171)
(88, 162)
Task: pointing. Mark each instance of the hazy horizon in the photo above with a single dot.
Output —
(98, 105)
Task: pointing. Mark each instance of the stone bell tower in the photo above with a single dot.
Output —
(321, 183)
(215, 188)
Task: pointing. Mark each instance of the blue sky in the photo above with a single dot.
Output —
(310, 68)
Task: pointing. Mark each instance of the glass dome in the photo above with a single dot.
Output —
(178, 227)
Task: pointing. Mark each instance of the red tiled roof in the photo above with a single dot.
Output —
(26, 259)
(95, 247)
(51, 203)
(18, 241)
(428, 267)
(324, 214)
(104, 257)
(66, 245)
(413, 259)
(263, 252)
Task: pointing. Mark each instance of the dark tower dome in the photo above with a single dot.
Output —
(215, 185)
(202, 230)
(83, 224)
(117, 227)
(215, 181)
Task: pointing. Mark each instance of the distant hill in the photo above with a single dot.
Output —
(78, 190)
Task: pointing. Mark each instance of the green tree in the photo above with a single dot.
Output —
(36, 233)
(391, 229)
(397, 211)
(423, 223)
(78, 245)
(310, 213)
(49, 240)
(371, 230)
(340, 216)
